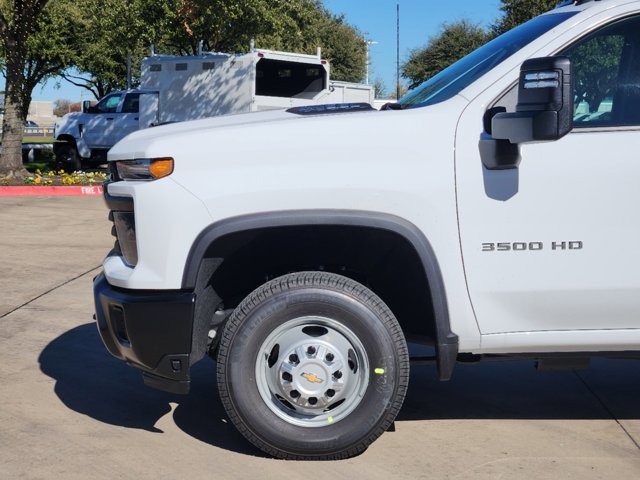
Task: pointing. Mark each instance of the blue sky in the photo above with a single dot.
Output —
(419, 20)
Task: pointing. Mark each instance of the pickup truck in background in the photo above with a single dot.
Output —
(86, 137)
(178, 88)
(490, 213)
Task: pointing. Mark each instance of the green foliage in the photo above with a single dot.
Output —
(595, 63)
(113, 29)
(51, 48)
(516, 12)
(33, 43)
(290, 25)
(48, 50)
(454, 41)
(458, 39)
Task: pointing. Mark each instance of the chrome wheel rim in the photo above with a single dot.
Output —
(312, 371)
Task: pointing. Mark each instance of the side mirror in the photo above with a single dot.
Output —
(86, 105)
(545, 103)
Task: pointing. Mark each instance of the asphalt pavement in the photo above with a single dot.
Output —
(69, 410)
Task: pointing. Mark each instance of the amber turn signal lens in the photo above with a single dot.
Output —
(161, 167)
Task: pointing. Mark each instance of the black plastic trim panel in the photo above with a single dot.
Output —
(149, 330)
(447, 341)
(331, 108)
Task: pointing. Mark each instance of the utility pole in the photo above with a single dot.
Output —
(369, 43)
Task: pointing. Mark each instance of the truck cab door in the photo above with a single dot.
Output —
(98, 128)
(550, 246)
(126, 120)
(112, 119)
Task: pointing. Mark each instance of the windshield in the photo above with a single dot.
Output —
(464, 72)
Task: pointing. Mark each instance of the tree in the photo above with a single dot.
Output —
(293, 25)
(457, 39)
(115, 28)
(595, 64)
(516, 12)
(18, 21)
(62, 106)
(454, 41)
(110, 31)
(35, 47)
(380, 88)
(344, 47)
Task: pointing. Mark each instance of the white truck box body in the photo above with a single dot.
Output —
(179, 88)
(219, 84)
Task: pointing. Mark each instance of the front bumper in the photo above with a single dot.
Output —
(149, 330)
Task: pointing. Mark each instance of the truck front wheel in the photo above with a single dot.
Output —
(67, 158)
(312, 365)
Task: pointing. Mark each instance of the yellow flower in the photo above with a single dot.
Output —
(37, 181)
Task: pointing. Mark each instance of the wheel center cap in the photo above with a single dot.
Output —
(311, 377)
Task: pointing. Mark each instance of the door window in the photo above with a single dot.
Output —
(108, 104)
(606, 66)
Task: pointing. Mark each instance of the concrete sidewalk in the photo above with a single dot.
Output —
(45, 241)
(69, 410)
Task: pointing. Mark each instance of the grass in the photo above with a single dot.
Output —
(37, 140)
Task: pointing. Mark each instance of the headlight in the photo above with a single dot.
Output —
(145, 168)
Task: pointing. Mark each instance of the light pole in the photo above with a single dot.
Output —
(369, 43)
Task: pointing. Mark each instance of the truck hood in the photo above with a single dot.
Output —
(141, 139)
(138, 142)
(232, 144)
(68, 121)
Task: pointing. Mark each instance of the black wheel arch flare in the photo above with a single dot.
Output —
(447, 341)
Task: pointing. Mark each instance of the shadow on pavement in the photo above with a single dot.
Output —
(508, 390)
(91, 382)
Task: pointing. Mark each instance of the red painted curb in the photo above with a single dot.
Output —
(32, 191)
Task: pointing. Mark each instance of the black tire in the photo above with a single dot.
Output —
(339, 319)
(67, 158)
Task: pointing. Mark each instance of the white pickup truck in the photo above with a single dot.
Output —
(491, 212)
(178, 88)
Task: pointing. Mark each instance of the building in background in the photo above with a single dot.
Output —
(41, 112)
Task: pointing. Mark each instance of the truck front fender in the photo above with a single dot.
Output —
(446, 340)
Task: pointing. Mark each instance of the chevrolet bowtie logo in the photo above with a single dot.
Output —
(312, 378)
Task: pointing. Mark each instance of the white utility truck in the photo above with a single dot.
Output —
(490, 213)
(179, 88)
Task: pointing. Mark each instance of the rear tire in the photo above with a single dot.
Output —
(312, 365)
(67, 158)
